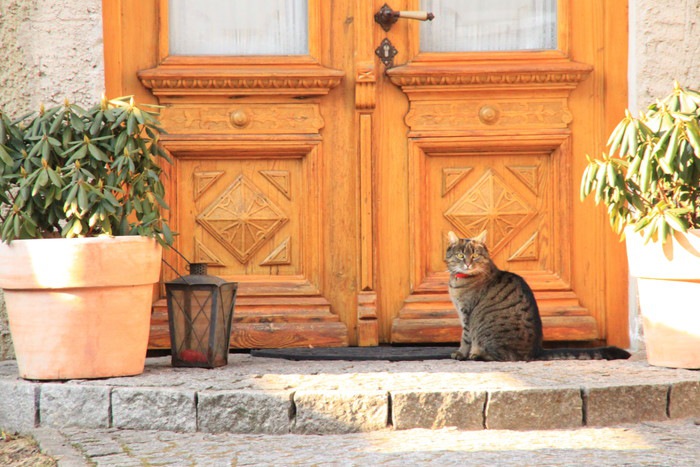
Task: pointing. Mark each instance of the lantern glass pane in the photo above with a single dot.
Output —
(200, 323)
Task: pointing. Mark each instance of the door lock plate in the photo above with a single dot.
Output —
(386, 52)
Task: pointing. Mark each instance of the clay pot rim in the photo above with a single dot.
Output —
(60, 263)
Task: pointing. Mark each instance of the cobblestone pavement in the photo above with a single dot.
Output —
(670, 443)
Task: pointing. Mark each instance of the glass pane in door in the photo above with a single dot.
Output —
(489, 25)
(238, 27)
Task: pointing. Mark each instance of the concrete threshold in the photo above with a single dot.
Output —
(274, 396)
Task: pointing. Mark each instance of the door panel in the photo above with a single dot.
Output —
(245, 215)
(513, 189)
(325, 183)
(250, 208)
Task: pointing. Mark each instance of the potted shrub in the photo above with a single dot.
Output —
(650, 183)
(82, 229)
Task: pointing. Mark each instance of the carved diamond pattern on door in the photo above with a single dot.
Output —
(491, 205)
(242, 218)
(517, 217)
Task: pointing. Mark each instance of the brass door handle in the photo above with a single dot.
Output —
(386, 17)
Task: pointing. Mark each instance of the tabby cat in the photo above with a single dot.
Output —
(499, 315)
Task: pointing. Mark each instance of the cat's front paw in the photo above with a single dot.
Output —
(457, 355)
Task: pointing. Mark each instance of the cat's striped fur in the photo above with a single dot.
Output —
(499, 315)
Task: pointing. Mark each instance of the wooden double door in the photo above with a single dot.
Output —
(324, 180)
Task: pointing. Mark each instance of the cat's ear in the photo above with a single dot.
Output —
(452, 238)
(481, 238)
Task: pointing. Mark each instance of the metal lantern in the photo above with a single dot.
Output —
(200, 312)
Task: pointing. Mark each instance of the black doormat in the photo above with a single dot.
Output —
(390, 353)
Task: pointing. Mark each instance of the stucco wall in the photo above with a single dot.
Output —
(664, 46)
(51, 50)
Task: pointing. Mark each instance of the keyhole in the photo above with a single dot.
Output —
(386, 52)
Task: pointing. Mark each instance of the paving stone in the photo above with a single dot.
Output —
(534, 409)
(684, 400)
(243, 412)
(63, 405)
(154, 409)
(606, 406)
(670, 443)
(93, 443)
(433, 409)
(120, 460)
(325, 412)
(18, 408)
(60, 446)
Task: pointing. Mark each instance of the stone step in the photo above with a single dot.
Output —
(274, 396)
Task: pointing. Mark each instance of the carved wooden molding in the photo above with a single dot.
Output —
(471, 113)
(458, 97)
(204, 180)
(366, 206)
(202, 254)
(367, 321)
(280, 179)
(237, 118)
(281, 255)
(431, 318)
(365, 87)
(229, 80)
(561, 74)
(451, 176)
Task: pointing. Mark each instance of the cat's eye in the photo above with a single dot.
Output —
(460, 255)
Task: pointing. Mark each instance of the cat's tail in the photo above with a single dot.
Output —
(596, 353)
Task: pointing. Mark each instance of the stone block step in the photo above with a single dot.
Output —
(273, 396)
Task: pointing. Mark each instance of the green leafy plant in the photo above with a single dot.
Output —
(70, 172)
(650, 178)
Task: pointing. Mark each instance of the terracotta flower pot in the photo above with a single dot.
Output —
(668, 281)
(80, 308)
